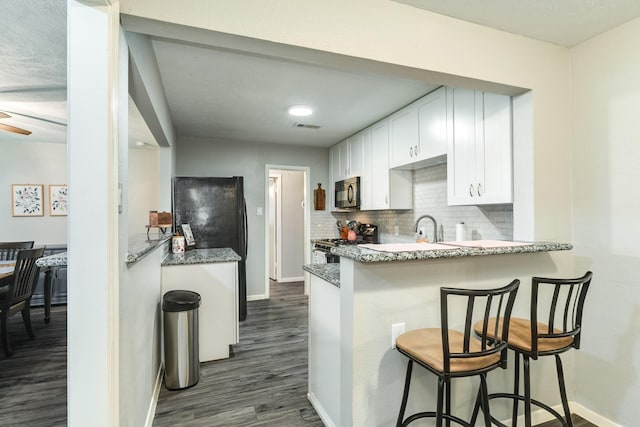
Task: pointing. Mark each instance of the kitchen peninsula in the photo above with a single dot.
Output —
(355, 377)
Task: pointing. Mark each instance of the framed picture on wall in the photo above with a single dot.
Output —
(58, 200)
(27, 200)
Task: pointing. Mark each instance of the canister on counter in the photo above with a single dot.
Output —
(177, 244)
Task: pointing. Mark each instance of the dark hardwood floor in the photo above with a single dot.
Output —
(33, 382)
(264, 383)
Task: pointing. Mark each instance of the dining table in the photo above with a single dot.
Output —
(49, 265)
(6, 272)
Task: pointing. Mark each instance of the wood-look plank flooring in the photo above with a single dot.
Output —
(264, 383)
(33, 382)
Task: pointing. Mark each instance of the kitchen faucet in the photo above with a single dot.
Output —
(435, 226)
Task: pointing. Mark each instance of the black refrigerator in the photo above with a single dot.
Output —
(215, 210)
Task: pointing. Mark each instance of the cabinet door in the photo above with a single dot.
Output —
(339, 161)
(380, 165)
(461, 148)
(432, 123)
(366, 178)
(403, 137)
(356, 154)
(495, 171)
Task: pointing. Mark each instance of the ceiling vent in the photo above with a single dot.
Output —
(305, 126)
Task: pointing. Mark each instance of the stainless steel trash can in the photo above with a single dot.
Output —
(181, 349)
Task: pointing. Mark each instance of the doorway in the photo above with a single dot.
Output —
(286, 224)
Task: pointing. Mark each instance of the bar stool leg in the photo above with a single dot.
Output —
(563, 391)
(516, 390)
(527, 391)
(405, 395)
(448, 402)
(485, 400)
(441, 385)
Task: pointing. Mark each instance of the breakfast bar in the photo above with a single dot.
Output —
(355, 376)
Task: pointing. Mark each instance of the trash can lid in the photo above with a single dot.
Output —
(180, 301)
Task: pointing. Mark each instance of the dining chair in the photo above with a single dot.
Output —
(554, 327)
(9, 250)
(17, 295)
(451, 353)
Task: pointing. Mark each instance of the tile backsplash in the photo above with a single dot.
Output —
(429, 197)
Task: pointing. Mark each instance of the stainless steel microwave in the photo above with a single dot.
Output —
(347, 194)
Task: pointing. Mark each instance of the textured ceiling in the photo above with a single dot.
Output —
(563, 22)
(238, 97)
(242, 97)
(33, 69)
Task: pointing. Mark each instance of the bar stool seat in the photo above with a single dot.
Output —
(449, 353)
(530, 339)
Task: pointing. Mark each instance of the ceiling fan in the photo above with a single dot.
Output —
(10, 128)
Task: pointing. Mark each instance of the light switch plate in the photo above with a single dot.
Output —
(259, 211)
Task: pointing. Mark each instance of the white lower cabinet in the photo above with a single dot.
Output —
(479, 148)
(324, 350)
(217, 284)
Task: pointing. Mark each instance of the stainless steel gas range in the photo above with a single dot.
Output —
(322, 250)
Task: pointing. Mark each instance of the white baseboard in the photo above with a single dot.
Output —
(328, 422)
(291, 279)
(591, 416)
(540, 416)
(151, 413)
(256, 297)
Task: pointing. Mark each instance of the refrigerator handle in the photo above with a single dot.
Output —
(246, 230)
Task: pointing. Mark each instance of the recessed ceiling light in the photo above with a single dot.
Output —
(300, 110)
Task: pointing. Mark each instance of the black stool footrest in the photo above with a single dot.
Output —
(522, 399)
(432, 414)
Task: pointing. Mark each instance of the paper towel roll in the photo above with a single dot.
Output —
(461, 232)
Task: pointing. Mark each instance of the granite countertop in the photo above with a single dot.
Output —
(328, 272)
(202, 256)
(365, 255)
(139, 246)
(55, 260)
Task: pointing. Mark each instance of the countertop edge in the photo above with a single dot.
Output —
(139, 247)
(328, 272)
(201, 256)
(371, 256)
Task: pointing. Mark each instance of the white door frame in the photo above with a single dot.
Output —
(307, 215)
(277, 177)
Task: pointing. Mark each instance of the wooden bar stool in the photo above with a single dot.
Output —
(452, 354)
(530, 339)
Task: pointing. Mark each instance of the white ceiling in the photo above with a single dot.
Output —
(219, 94)
(243, 97)
(563, 22)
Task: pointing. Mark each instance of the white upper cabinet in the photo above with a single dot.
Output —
(347, 158)
(432, 123)
(391, 189)
(355, 147)
(403, 136)
(479, 148)
(418, 135)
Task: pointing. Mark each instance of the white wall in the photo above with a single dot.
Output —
(142, 188)
(606, 198)
(202, 157)
(32, 163)
(140, 337)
